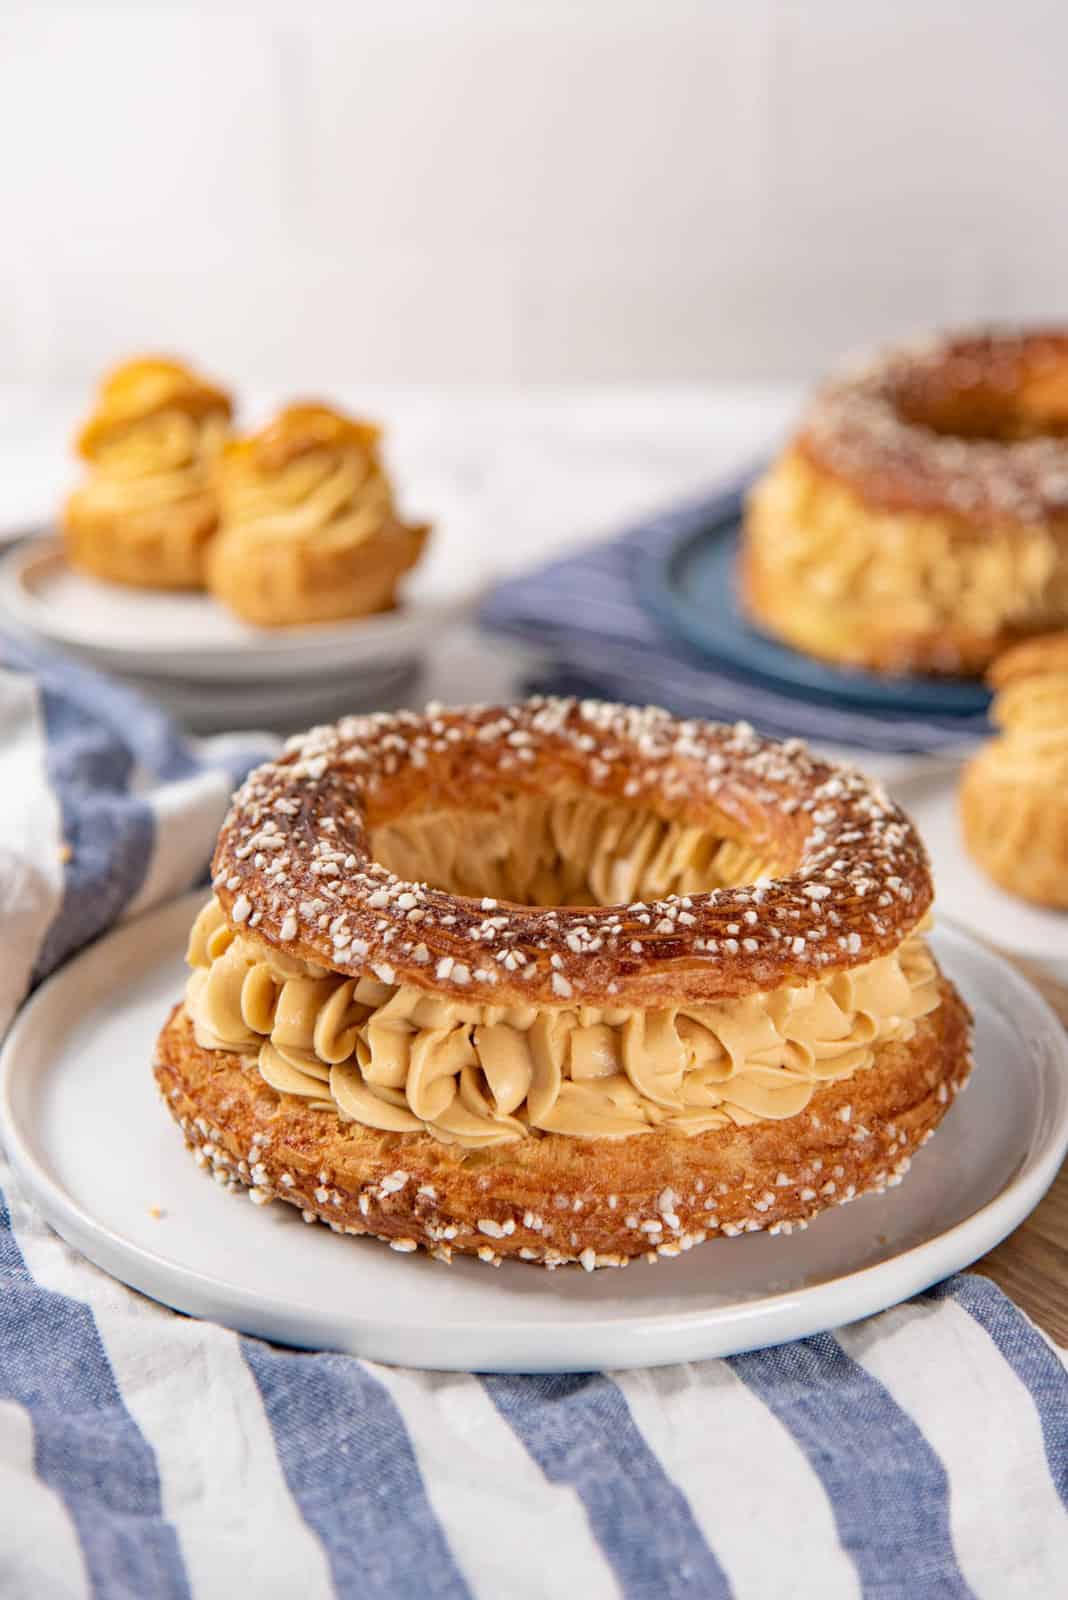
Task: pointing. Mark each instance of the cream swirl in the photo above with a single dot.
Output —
(152, 440)
(155, 462)
(312, 475)
(340, 496)
(403, 1060)
(569, 847)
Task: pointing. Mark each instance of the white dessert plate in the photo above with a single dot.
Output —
(193, 636)
(928, 792)
(103, 1161)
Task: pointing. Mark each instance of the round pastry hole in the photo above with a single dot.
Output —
(570, 847)
(962, 400)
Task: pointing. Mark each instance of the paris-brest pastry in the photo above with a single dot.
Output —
(309, 531)
(146, 510)
(918, 521)
(565, 982)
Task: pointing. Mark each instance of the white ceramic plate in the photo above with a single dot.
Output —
(929, 794)
(96, 1151)
(192, 636)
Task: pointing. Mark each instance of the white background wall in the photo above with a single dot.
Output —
(523, 190)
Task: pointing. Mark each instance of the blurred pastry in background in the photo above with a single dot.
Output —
(1014, 793)
(308, 528)
(918, 521)
(146, 511)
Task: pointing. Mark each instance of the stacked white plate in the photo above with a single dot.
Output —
(208, 668)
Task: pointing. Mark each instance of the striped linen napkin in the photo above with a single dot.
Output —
(923, 1452)
(585, 612)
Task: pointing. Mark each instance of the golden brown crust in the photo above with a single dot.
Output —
(973, 426)
(558, 1199)
(293, 860)
(1019, 836)
(270, 591)
(1048, 653)
(1013, 796)
(164, 548)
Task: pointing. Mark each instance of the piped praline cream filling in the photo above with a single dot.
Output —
(155, 462)
(567, 847)
(849, 558)
(399, 1058)
(338, 495)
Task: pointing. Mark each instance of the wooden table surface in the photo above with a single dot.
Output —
(1031, 1265)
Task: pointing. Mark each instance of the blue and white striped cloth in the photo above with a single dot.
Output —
(585, 613)
(143, 1454)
